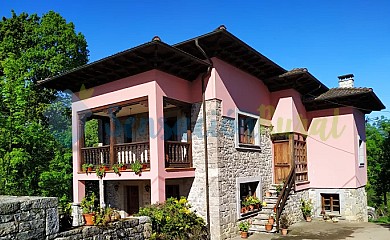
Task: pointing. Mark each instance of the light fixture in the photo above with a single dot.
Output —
(147, 188)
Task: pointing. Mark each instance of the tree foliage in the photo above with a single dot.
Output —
(35, 155)
(378, 158)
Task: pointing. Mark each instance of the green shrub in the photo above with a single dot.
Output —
(174, 220)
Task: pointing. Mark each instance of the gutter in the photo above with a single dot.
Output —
(206, 157)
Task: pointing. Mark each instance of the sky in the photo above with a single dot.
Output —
(328, 37)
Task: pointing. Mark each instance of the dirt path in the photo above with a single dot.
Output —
(331, 231)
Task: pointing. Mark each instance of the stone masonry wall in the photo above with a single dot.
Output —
(139, 228)
(292, 209)
(226, 164)
(28, 217)
(37, 218)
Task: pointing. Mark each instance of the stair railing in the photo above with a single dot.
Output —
(283, 196)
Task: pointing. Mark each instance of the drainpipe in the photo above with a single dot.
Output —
(206, 157)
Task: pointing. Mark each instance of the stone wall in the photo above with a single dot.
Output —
(139, 228)
(28, 217)
(353, 202)
(37, 218)
(226, 165)
(292, 209)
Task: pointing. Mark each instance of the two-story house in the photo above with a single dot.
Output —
(214, 120)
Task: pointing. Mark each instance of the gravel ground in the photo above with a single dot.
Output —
(331, 231)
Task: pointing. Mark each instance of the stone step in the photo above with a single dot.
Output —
(260, 229)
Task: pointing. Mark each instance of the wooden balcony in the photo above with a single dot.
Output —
(178, 154)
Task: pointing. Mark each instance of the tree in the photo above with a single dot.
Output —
(35, 158)
(378, 158)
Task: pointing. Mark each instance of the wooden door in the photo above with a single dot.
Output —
(132, 199)
(282, 160)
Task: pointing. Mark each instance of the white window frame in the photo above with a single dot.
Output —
(361, 152)
(241, 180)
(256, 134)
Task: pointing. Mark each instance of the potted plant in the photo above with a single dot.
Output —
(244, 206)
(306, 208)
(279, 188)
(271, 218)
(268, 226)
(117, 168)
(87, 167)
(101, 171)
(244, 228)
(88, 207)
(268, 194)
(284, 224)
(136, 167)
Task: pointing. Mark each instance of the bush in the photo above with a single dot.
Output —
(174, 220)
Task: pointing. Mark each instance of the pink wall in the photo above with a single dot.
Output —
(360, 130)
(331, 149)
(237, 89)
(290, 114)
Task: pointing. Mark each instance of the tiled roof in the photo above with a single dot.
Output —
(342, 92)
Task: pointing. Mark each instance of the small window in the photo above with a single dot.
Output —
(246, 129)
(248, 193)
(247, 135)
(172, 191)
(330, 203)
(361, 153)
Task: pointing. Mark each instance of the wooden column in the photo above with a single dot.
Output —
(81, 140)
(112, 115)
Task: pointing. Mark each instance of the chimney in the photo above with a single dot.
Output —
(346, 81)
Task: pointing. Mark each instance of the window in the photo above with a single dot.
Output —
(172, 191)
(361, 153)
(247, 131)
(248, 196)
(330, 202)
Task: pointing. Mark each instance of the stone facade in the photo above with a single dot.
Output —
(37, 218)
(292, 209)
(227, 164)
(28, 217)
(353, 202)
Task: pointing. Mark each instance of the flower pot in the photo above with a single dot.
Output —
(268, 227)
(271, 220)
(244, 210)
(308, 219)
(106, 168)
(123, 168)
(251, 207)
(244, 234)
(89, 169)
(144, 166)
(284, 231)
(268, 194)
(88, 218)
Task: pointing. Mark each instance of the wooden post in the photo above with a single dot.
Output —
(81, 140)
(112, 114)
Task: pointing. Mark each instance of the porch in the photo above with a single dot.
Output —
(122, 135)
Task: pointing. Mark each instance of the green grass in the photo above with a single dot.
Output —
(381, 220)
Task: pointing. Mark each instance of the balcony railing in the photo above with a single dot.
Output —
(96, 155)
(177, 154)
(128, 153)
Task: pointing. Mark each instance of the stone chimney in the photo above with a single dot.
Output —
(346, 81)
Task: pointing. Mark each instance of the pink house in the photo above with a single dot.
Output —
(214, 120)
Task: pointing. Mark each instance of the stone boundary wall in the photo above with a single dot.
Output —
(37, 218)
(139, 228)
(28, 217)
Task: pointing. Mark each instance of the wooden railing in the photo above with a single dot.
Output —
(95, 155)
(128, 153)
(283, 196)
(178, 154)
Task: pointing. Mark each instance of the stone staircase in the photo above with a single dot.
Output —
(258, 223)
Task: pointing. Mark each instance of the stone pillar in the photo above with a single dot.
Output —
(156, 133)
